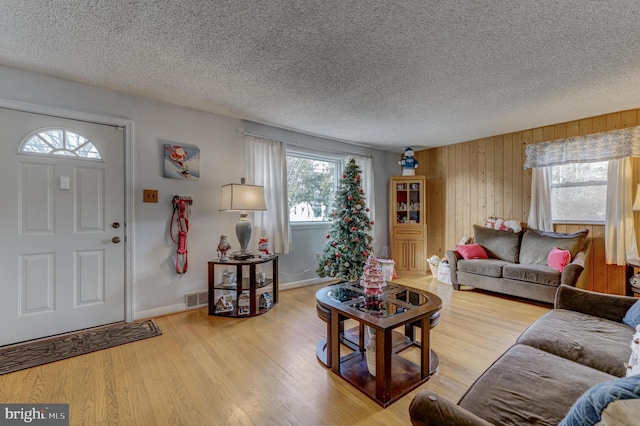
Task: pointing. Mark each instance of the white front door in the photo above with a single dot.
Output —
(62, 230)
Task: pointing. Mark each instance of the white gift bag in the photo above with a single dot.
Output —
(444, 273)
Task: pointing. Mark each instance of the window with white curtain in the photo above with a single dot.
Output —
(579, 192)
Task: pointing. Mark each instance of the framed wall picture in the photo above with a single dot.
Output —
(181, 161)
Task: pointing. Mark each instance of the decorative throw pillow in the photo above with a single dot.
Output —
(587, 410)
(632, 317)
(472, 251)
(558, 258)
(498, 244)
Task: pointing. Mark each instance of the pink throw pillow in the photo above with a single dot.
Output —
(472, 251)
(558, 258)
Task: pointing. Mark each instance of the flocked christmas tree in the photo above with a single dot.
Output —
(348, 242)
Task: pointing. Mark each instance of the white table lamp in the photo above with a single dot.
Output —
(242, 198)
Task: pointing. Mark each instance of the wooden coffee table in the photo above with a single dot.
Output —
(402, 306)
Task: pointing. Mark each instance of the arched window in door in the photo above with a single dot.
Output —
(60, 142)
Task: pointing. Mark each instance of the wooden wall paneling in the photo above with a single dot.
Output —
(507, 176)
(599, 268)
(560, 131)
(450, 218)
(438, 239)
(473, 186)
(466, 189)
(613, 121)
(498, 146)
(599, 123)
(586, 126)
(548, 133)
(490, 162)
(629, 118)
(481, 185)
(458, 225)
(573, 129)
(537, 135)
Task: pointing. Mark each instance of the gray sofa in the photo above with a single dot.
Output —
(578, 344)
(517, 263)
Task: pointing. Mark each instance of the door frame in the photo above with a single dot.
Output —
(129, 200)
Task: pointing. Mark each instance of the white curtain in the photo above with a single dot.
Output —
(266, 164)
(366, 168)
(540, 211)
(620, 236)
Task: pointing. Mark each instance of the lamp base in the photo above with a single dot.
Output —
(241, 256)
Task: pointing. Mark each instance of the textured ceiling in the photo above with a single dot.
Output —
(379, 73)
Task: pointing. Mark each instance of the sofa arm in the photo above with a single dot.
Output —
(607, 306)
(452, 257)
(571, 273)
(428, 408)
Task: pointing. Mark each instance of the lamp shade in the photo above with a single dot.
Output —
(241, 197)
(636, 203)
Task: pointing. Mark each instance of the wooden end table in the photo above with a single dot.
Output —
(249, 288)
(402, 306)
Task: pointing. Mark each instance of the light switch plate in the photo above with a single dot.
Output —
(150, 195)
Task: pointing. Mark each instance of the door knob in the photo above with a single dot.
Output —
(115, 225)
(115, 240)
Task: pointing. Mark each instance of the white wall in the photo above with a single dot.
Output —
(157, 288)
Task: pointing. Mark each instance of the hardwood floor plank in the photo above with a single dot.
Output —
(263, 370)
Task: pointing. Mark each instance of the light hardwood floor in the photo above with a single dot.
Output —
(263, 370)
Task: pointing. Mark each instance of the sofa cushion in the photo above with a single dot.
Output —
(536, 245)
(529, 386)
(593, 341)
(487, 267)
(503, 245)
(538, 274)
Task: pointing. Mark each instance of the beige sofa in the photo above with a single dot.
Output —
(517, 263)
(582, 342)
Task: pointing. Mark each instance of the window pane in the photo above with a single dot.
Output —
(579, 203)
(311, 186)
(54, 138)
(580, 172)
(53, 142)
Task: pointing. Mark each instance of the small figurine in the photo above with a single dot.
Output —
(408, 163)
(264, 247)
(223, 247)
(633, 366)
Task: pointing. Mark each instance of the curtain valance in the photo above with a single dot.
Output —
(603, 146)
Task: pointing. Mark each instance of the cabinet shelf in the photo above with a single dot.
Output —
(246, 297)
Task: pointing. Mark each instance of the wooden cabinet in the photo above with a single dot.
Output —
(407, 227)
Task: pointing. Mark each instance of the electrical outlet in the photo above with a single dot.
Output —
(318, 256)
(150, 195)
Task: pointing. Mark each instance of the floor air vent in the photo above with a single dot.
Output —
(195, 300)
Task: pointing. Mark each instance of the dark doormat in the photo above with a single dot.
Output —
(37, 352)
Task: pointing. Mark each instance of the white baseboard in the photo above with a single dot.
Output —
(304, 283)
(179, 307)
(164, 310)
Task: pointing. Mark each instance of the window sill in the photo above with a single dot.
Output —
(302, 226)
(579, 222)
